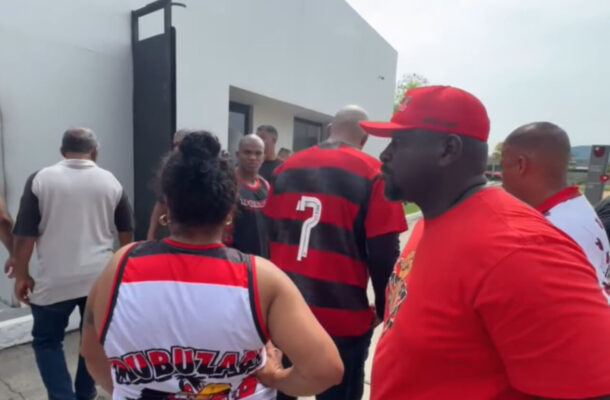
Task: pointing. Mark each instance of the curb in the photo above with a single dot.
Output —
(18, 330)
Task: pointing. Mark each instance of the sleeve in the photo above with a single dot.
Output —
(549, 322)
(123, 214)
(383, 216)
(382, 252)
(28, 218)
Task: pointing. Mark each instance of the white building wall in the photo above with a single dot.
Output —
(68, 62)
(316, 54)
(63, 63)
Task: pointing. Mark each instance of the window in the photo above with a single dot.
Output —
(306, 134)
(239, 124)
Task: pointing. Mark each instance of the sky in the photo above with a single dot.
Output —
(534, 60)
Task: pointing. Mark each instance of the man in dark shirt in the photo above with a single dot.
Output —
(247, 232)
(269, 135)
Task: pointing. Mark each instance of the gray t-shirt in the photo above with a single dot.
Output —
(73, 209)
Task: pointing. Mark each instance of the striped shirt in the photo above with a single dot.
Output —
(324, 203)
(185, 321)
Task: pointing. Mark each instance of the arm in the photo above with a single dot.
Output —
(95, 310)
(24, 246)
(6, 228)
(293, 328)
(26, 233)
(383, 250)
(384, 222)
(153, 224)
(123, 220)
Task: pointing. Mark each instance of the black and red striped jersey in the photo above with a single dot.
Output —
(324, 203)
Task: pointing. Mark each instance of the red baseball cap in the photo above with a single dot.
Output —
(436, 108)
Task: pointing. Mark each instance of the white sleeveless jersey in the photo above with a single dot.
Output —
(184, 322)
(573, 214)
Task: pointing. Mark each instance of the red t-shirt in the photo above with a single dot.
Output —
(500, 305)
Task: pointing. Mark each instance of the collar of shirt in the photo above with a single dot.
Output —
(77, 163)
(563, 195)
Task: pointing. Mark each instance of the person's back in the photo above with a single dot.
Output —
(576, 218)
(77, 202)
(188, 317)
(69, 213)
(198, 350)
(464, 281)
(320, 197)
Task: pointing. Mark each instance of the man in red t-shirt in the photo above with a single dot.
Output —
(497, 304)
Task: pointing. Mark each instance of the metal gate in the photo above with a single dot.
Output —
(154, 107)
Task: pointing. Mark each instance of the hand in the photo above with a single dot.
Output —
(273, 371)
(9, 267)
(23, 287)
(377, 321)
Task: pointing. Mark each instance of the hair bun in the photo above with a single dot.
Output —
(200, 144)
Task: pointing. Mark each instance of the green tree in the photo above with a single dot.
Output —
(496, 156)
(408, 81)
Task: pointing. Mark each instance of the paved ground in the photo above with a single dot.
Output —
(19, 378)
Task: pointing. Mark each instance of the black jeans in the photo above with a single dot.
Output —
(354, 353)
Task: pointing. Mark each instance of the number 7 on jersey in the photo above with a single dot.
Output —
(316, 205)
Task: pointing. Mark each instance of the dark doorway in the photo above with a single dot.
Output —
(154, 107)
(306, 134)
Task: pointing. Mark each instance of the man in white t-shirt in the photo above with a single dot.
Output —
(69, 211)
(535, 160)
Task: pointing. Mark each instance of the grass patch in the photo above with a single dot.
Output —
(410, 208)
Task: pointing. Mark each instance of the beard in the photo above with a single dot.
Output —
(392, 191)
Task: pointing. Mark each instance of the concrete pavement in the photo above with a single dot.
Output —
(19, 378)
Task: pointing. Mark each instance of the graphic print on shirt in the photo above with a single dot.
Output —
(397, 288)
(199, 373)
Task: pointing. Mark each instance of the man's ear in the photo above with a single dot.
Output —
(363, 140)
(523, 164)
(451, 148)
(94, 155)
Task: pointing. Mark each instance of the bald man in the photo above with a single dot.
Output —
(247, 231)
(535, 160)
(330, 229)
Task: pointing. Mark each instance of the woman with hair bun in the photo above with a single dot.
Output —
(188, 318)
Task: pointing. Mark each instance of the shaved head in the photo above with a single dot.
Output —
(344, 126)
(535, 159)
(250, 155)
(546, 143)
(251, 139)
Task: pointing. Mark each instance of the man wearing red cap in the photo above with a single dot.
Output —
(497, 304)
